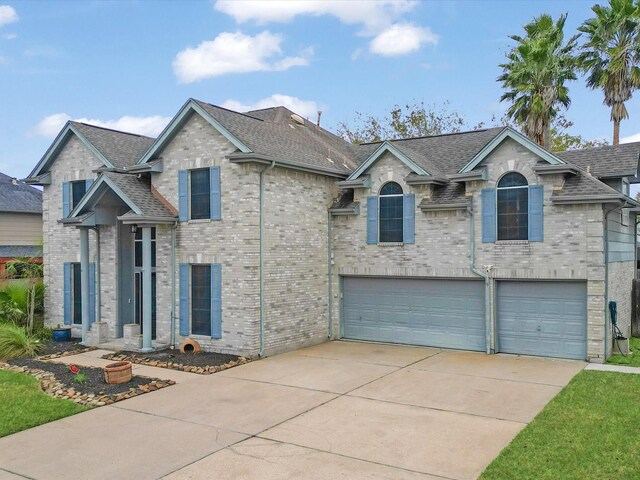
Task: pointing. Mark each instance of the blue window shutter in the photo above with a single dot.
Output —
(215, 199)
(184, 299)
(216, 300)
(183, 198)
(489, 215)
(66, 199)
(67, 294)
(536, 200)
(408, 218)
(87, 183)
(92, 293)
(372, 220)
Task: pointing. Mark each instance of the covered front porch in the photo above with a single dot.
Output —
(124, 214)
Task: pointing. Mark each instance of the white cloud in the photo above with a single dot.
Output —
(234, 53)
(305, 108)
(401, 39)
(373, 15)
(151, 126)
(631, 138)
(7, 15)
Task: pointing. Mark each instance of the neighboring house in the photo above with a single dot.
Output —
(260, 232)
(20, 221)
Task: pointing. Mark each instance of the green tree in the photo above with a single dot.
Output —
(19, 302)
(535, 74)
(415, 119)
(611, 54)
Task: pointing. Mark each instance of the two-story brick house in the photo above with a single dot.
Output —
(261, 232)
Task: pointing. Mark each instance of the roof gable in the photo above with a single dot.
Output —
(508, 132)
(18, 197)
(58, 144)
(377, 154)
(189, 108)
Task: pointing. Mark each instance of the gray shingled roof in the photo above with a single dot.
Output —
(138, 190)
(583, 185)
(122, 149)
(20, 251)
(439, 155)
(452, 193)
(272, 133)
(19, 197)
(608, 161)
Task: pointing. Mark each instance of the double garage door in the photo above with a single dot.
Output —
(532, 318)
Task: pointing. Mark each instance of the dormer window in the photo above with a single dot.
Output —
(391, 213)
(513, 207)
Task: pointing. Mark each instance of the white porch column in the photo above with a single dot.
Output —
(146, 290)
(84, 281)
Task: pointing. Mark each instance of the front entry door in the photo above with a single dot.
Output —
(137, 280)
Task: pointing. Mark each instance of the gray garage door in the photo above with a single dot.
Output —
(542, 318)
(439, 313)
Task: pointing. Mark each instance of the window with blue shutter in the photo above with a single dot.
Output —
(200, 193)
(184, 299)
(76, 294)
(488, 200)
(536, 201)
(66, 199)
(409, 209)
(372, 220)
(216, 196)
(216, 300)
(183, 199)
(201, 290)
(390, 216)
(78, 189)
(67, 293)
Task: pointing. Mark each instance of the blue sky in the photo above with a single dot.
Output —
(132, 64)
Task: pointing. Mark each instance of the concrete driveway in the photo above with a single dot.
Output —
(336, 410)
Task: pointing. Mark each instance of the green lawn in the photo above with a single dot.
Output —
(588, 431)
(23, 405)
(631, 360)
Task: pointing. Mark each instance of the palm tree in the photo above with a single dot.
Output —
(611, 55)
(535, 73)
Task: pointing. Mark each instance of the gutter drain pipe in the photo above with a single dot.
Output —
(174, 228)
(487, 280)
(329, 268)
(262, 172)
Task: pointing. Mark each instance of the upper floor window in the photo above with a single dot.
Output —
(391, 200)
(513, 207)
(78, 189)
(200, 193)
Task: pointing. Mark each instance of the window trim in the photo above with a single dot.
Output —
(380, 196)
(497, 212)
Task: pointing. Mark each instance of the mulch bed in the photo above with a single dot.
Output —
(57, 381)
(203, 363)
(52, 349)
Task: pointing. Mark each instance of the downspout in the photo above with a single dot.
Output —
(174, 228)
(262, 172)
(329, 273)
(487, 279)
(97, 279)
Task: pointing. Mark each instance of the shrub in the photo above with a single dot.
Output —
(16, 342)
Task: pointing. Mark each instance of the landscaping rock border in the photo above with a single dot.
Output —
(199, 369)
(52, 356)
(54, 388)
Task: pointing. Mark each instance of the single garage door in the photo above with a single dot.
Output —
(542, 318)
(439, 313)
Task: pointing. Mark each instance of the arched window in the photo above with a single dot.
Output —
(513, 207)
(391, 213)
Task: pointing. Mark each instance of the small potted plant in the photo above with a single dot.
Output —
(62, 334)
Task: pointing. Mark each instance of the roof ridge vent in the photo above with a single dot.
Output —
(297, 118)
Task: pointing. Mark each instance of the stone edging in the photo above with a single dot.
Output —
(54, 388)
(78, 351)
(200, 370)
